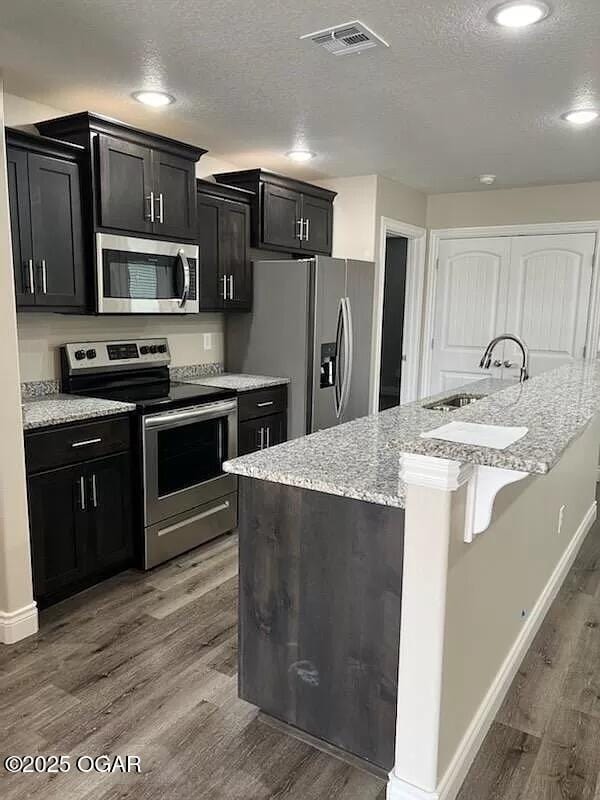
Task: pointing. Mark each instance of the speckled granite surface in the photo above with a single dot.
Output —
(240, 382)
(359, 459)
(195, 371)
(31, 389)
(56, 409)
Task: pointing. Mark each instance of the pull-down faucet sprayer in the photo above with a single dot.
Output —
(486, 359)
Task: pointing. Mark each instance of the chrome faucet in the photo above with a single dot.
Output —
(487, 356)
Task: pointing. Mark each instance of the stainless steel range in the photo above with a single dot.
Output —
(184, 434)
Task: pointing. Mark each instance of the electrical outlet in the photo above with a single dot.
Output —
(561, 516)
(207, 341)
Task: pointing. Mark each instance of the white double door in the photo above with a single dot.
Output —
(538, 287)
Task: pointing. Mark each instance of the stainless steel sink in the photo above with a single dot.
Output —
(454, 401)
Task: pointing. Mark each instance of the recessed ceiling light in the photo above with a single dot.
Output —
(300, 155)
(487, 179)
(581, 116)
(520, 14)
(156, 99)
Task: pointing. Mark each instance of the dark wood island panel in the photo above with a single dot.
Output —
(320, 592)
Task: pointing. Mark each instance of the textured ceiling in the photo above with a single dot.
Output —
(454, 96)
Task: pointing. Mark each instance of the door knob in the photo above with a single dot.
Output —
(508, 364)
(497, 363)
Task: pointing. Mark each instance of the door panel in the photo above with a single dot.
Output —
(175, 180)
(56, 231)
(318, 216)
(470, 308)
(20, 226)
(549, 297)
(209, 211)
(125, 185)
(235, 238)
(281, 215)
(59, 532)
(330, 287)
(109, 500)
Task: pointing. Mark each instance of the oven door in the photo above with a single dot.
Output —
(183, 452)
(144, 276)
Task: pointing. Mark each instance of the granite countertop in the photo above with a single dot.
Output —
(238, 381)
(57, 408)
(361, 458)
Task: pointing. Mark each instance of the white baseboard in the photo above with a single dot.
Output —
(17, 625)
(453, 778)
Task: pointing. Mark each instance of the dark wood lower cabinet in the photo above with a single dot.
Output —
(80, 515)
(258, 434)
(320, 598)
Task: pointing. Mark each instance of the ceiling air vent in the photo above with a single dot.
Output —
(351, 37)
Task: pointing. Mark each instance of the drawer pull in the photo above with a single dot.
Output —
(266, 403)
(86, 442)
(222, 507)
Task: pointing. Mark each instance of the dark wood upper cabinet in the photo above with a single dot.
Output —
(125, 174)
(138, 182)
(287, 215)
(49, 256)
(223, 235)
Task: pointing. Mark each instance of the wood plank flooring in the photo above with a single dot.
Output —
(145, 664)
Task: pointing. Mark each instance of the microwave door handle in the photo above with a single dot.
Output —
(186, 277)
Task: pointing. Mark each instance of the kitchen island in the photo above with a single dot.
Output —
(390, 584)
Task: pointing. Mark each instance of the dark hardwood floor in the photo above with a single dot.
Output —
(145, 664)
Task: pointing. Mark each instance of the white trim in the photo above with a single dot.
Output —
(453, 778)
(435, 473)
(17, 625)
(413, 308)
(437, 235)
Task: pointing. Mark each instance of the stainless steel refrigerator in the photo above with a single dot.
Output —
(312, 320)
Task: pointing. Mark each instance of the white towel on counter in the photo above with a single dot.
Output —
(498, 437)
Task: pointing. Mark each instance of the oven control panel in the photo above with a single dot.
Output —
(132, 353)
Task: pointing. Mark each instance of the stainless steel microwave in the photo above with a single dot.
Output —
(145, 276)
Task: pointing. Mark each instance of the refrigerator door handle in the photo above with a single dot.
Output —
(337, 389)
(348, 353)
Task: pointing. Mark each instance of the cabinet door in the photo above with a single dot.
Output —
(234, 237)
(281, 217)
(57, 236)
(125, 185)
(260, 433)
(58, 524)
(20, 226)
(175, 191)
(109, 490)
(208, 215)
(317, 215)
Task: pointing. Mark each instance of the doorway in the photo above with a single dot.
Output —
(392, 324)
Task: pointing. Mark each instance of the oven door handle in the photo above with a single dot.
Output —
(186, 277)
(208, 411)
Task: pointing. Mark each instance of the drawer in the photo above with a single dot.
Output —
(262, 403)
(75, 443)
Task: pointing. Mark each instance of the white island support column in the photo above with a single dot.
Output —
(432, 500)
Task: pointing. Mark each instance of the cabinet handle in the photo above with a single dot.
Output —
(265, 404)
(224, 279)
(31, 276)
(300, 224)
(150, 200)
(161, 209)
(85, 442)
(44, 277)
(261, 442)
(82, 492)
(306, 224)
(94, 491)
(268, 436)
(231, 291)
